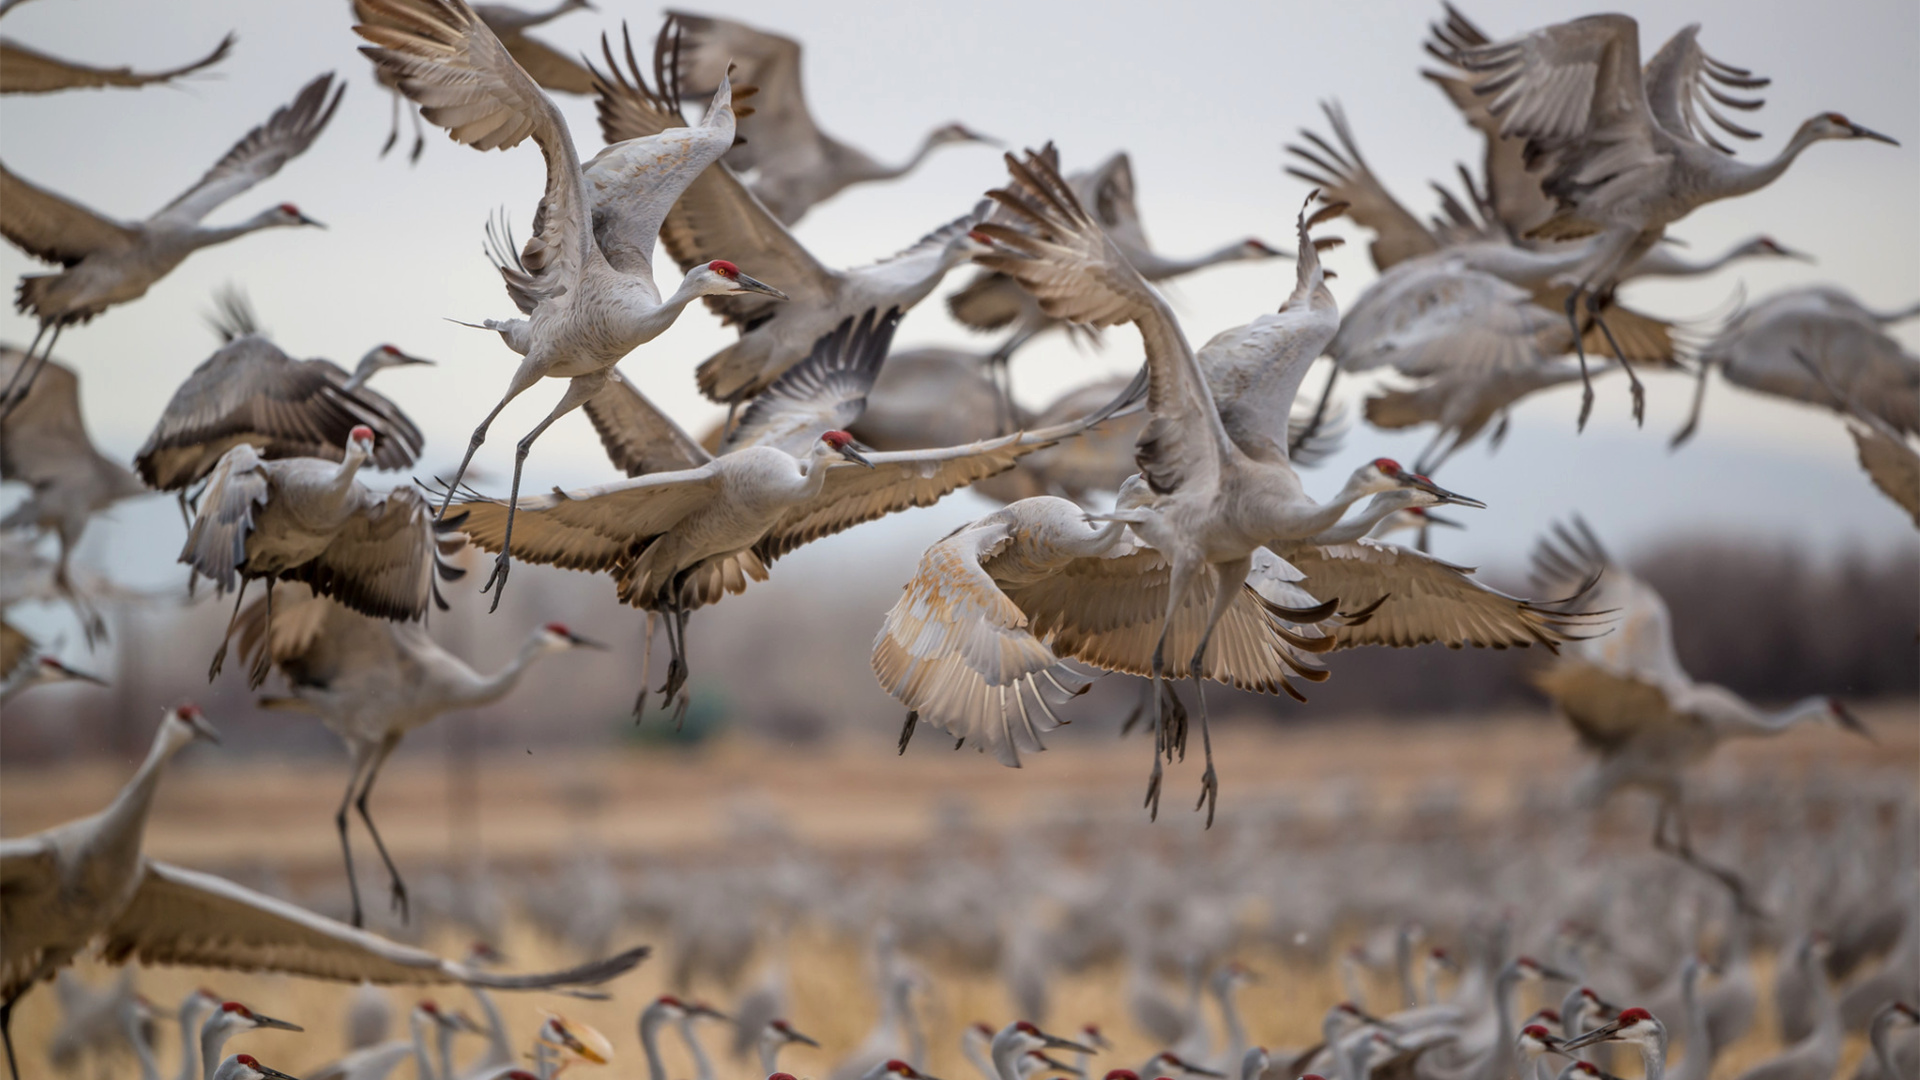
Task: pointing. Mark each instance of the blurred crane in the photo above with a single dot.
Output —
(108, 262)
(25, 70)
(793, 162)
(585, 278)
(1632, 704)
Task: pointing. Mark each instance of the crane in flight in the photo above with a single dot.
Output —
(584, 281)
(249, 391)
(26, 70)
(720, 216)
(107, 262)
(793, 162)
(691, 527)
(1216, 471)
(1627, 151)
(371, 682)
(1635, 708)
(157, 913)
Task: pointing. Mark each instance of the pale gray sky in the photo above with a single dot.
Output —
(1203, 100)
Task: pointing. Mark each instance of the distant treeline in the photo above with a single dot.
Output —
(1767, 621)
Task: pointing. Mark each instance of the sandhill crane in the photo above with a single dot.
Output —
(109, 262)
(1637, 1027)
(794, 163)
(585, 278)
(308, 519)
(1632, 704)
(659, 1013)
(45, 445)
(938, 396)
(719, 216)
(372, 682)
(1760, 349)
(230, 1019)
(1214, 498)
(683, 538)
(992, 301)
(1818, 1053)
(1628, 153)
(93, 1022)
(246, 1067)
(547, 66)
(1884, 449)
(25, 70)
(1882, 1054)
(249, 391)
(775, 1036)
(1015, 1041)
(41, 671)
(158, 913)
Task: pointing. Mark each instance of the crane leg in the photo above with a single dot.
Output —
(361, 758)
(393, 127)
(220, 657)
(263, 660)
(6, 1033)
(646, 668)
(1693, 414)
(1639, 391)
(578, 391)
(419, 138)
(906, 730)
(675, 691)
(1228, 578)
(1428, 461)
(1179, 579)
(11, 400)
(1580, 351)
(1295, 442)
(21, 371)
(91, 623)
(1680, 846)
(399, 887)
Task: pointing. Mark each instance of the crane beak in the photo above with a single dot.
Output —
(201, 728)
(1055, 1042)
(1426, 484)
(746, 284)
(1190, 1067)
(408, 358)
(1056, 1065)
(1600, 1034)
(579, 642)
(1859, 132)
(795, 1036)
(305, 220)
(1558, 976)
(270, 1022)
(703, 1009)
(1846, 719)
(276, 1074)
(856, 456)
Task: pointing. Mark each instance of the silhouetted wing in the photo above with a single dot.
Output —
(548, 66)
(638, 437)
(1342, 175)
(180, 916)
(381, 562)
(260, 153)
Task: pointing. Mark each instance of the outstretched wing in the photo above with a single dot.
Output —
(956, 651)
(781, 129)
(1342, 175)
(824, 392)
(1429, 600)
(1891, 464)
(593, 528)
(444, 58)
(382, 561)
(53, 229)
(1433, 317)
(638, 437)
(1512, 195)
(30, 71)
(260, 153)
(180, 916)
(634, 184)
(1683, 82)
(1641, 643)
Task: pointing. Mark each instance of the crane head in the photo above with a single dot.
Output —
(288, 214)
(1526, 967)
(360, 440)
(1255, 248)
(1846, 719)
(246, 1019)
(1537, 1038)
(387, 356)
(841, 442)
(722, 278)
(557, 636)
(189, 714)
(1634, 1025)
(1767, 245)
(959, 133)
(1092, 1036)
(53, 670)
(786, 1031)
(1833, 125)
(576, 1038)
(255, 1070)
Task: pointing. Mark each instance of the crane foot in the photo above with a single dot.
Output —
(497, 581)
(1639, 404)
(906, 730)
(1586, 409)
(399, 899)
(1152, 802)
(1209, 793)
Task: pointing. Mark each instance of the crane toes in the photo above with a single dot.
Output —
(1209, 794)
(1152, 802)
(399, 898)
(1639, 405)
(497, 581)
(1586, 408)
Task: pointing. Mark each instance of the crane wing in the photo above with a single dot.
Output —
(956, 651)
(1073, 270)
(548, 66)
(1432, 316)
(53, 229)
(990, 301)
(217, 543)
(902, 479)
(180, 916)
(1108, 612)
(638, 437)
(824, 392)
(250, 391)
(1607, 708)
(30, 71)
(1107, 190)
(1574, 92)
(1683, 82)
(781, 129)
(1512, 189)
(1430, 600)
(716, 217)
(1864, 364)
(382, 561)
(45, 438)
(1342, 175)
(593, 528)
(260, 153)
(15, 648)
(1641, 643)
(1891, 464)
(443, 57)
(634, 184)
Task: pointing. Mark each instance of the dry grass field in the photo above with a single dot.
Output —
(854, 802)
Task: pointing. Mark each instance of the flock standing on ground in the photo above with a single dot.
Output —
(1210, 562)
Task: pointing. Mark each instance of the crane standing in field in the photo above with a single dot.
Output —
(1627, 152)
(691, 527)
(87, 881)
(793, 162)
(110, 263)
(1633, 705)
(584, 281)
(1218, 473)
(250, 392)
(371, 682)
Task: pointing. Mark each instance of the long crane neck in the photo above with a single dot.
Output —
(135, 1033)
(123, 825)
(192, 1012)
(487, 689)
(422, 1064)
(650, 1020)
(1736, 178)
(702, 1065)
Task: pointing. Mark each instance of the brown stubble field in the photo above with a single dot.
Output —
(854, 801)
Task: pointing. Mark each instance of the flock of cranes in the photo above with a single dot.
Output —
(1158, 526)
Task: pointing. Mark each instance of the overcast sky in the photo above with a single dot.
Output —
(1203, 100)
